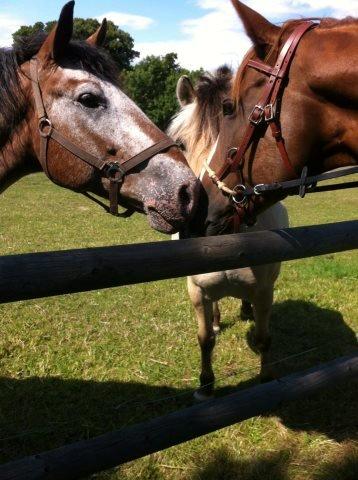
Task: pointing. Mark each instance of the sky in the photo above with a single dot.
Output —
(204, 33)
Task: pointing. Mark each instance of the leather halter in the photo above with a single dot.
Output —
(113, 170)
(265, 112)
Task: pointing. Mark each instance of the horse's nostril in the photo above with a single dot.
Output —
(184, 195)
(186, 198)
(112, 151)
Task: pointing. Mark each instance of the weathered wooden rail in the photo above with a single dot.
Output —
(55, 273)
(76, 460)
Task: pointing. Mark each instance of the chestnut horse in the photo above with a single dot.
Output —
(88, 124)
(197, 126)
(314, 116)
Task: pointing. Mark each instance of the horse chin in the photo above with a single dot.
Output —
(159, 223)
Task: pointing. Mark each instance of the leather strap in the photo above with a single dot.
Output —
(148, 154)
(264, 110)
(113, 170)
(305, 181)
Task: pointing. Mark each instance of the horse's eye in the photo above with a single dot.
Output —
(228, 107)
(89, 100)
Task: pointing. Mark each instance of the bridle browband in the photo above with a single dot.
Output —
(115, 171)
(266, 113)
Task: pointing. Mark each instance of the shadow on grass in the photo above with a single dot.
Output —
(38, 414)
(343, 468)
(223, 464)
(298, 326)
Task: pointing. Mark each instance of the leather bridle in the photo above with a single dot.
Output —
(115, 171)
(265, 113)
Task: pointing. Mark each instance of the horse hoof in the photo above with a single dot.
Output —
(216, 329)
(202, 397)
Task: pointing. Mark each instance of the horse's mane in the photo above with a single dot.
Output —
(197, 125)
(322, 24)
(13, 105)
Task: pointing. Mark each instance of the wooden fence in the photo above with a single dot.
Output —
(38, 275)
(54, 273)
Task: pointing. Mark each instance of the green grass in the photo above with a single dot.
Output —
(76, 366)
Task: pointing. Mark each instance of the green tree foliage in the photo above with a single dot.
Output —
(119, 43)
(152, 83)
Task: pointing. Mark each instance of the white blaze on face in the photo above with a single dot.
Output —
(117, 124)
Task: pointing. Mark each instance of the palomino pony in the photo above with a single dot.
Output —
(61, 110)
(294, 105)
(197, 126)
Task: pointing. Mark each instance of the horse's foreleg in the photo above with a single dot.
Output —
(216, 317)
(262, 340)
(206, 337)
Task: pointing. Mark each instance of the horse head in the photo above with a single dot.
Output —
(196, 127)
(78, 96)
(310, 113)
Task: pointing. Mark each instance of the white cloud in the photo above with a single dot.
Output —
(8, 25)
(137, 22)
(217, 37)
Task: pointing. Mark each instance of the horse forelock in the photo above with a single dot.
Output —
(197, 125)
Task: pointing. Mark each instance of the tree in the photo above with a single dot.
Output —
(119, 43)
(152, 83)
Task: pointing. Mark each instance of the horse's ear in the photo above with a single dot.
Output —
(58, 39)
(99, 36)
(261, 31)
(185, 91)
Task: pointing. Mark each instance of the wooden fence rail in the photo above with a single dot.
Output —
(76, 460)
(55, 273)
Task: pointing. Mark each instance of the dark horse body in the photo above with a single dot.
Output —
(317, 112)
(80, 93)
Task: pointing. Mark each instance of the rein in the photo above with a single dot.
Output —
(264, 114)
(115, 171)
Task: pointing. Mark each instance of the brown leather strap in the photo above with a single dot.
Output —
(113, 170)
(265, 107)
(87, 157)
(148, 153)
(40, 108)
(129, 165)
(280, 143)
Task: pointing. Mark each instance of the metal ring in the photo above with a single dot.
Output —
(45, 123)
(112, 169)
(243, 200)
(256, 192)
(231, 152)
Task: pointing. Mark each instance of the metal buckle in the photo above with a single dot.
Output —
(257, 188)
(231, 153)
(260, 114)
(269, 112)
(111, 169)
(244, 199)
(45, 123)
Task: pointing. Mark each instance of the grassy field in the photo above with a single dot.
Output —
(76, 366)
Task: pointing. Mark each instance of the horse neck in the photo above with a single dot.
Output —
(16, 154)
(16, 159)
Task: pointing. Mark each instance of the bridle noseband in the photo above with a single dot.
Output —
(115, 171)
